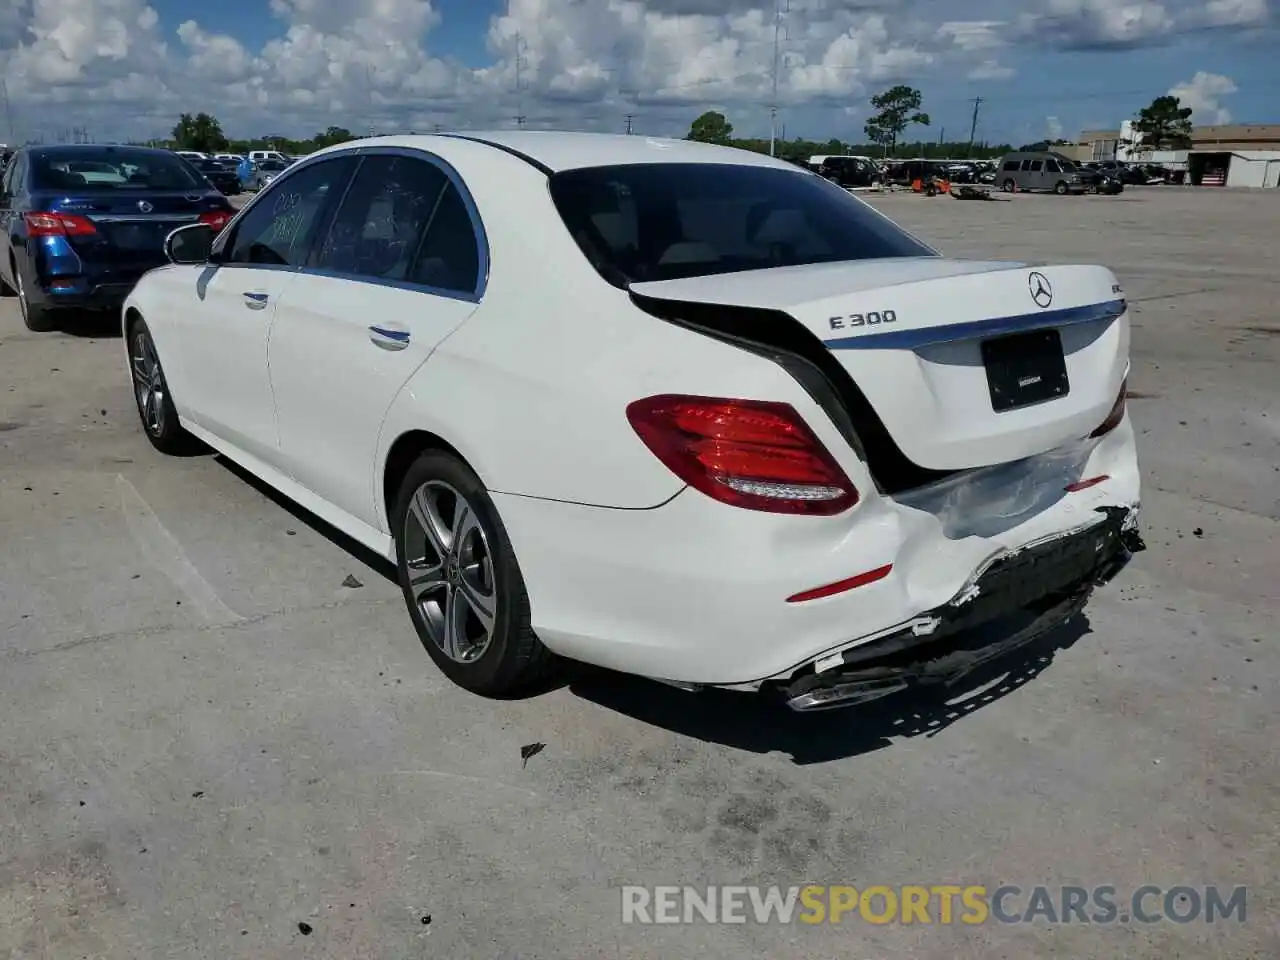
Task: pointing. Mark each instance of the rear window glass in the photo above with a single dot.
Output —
(113, 169)
(644, 222)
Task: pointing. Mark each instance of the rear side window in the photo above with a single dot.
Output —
(450, 254)
(1036, 165)
(645, 222)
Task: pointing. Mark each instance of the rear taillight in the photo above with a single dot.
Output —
(748, 453)
(1116, 414)
(216, 219)
(42, 224)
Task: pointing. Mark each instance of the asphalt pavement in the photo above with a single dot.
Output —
(221, 737)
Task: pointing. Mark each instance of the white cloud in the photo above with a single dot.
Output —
(1053, 126)
(1236, 13)
(1203, 93)
(991, 70)
(362, 63)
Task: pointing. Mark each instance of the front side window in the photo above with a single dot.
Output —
(646, 222)
(112, 168)
(1037, 166)
(1012, 165)
(280, 227)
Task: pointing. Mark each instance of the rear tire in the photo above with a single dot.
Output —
(36, 317)
(152, 396)
(461, 583)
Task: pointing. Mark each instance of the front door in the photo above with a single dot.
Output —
(223, 378)
(400, 269)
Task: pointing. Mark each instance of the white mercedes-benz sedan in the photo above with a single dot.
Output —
(670, 408)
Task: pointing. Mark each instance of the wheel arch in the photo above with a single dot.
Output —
(401, 454)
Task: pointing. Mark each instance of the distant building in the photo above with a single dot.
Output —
(1232, 155)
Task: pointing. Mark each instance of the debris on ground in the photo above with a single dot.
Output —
(530, 750)
(969, 191)
(352, 582)
(305, 928)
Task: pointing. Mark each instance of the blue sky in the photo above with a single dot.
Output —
(128, 67)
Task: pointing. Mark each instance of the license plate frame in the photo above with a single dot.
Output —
(1024, 369)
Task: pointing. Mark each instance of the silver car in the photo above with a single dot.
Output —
(264, 171)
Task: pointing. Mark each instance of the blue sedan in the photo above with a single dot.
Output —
(79, 224)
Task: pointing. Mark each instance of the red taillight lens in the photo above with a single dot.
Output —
(216, 219)
(1116, 414)
(41, 224)
(748, 453)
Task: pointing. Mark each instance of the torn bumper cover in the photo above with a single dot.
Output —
(1036, 589)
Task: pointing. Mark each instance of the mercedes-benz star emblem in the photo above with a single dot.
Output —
(1041, 289)
(144, 206)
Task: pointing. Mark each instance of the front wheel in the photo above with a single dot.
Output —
(1061, 189)
(151, 394)
(1007, 186)
(461, 583)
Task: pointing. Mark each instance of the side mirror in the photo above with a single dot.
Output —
(191, 244)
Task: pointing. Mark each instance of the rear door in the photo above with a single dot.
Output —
(402, 266)
(230, 305)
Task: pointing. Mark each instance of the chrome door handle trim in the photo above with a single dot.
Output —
(389, 339)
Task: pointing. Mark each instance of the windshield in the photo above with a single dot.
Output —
(663, 221)
(112, 168)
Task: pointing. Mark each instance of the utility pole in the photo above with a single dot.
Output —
(778, 11)
(973, 127)
(8, 112)
(520, 117)
(629, 124)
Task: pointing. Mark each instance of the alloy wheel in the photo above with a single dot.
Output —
(22, 294)
(148, 383)
(450, 571)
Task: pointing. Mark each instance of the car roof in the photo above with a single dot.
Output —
(556, 151)
(96, 149)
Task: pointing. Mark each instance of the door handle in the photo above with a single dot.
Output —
(389, 338)
(255, 301)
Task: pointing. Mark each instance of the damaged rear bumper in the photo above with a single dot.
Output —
(1028, 592)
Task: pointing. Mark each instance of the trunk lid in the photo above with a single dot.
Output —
(966, 363)
(130, 226)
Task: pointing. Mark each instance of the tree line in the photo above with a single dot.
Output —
(1163, 125)
(203, 132)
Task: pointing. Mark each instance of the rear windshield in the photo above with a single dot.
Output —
(664, 221)
(112, 168)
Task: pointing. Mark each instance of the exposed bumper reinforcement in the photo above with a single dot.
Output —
(1042, 586)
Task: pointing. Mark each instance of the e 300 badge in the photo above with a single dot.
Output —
(874, 318)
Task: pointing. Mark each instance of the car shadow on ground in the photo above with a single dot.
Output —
(378, 563)
(90, 325)
(758, 723)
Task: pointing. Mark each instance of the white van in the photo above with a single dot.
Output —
(257, 156)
